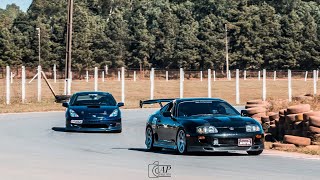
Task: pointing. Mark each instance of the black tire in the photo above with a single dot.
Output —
(181, 142)
(68, 126)
(150, 140)
(254, 153)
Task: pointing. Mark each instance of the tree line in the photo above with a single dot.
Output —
(166, 34)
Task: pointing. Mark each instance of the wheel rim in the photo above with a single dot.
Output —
(181, 141)
(149, 138)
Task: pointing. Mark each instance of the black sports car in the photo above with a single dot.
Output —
(93, 111)
(202, 124)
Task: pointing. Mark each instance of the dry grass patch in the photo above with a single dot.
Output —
(46, 105)
(278, 104)
(304, 150)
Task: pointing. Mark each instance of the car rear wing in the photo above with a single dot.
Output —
(155, 101)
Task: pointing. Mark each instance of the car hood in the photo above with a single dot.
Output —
(217, 121)
(89, 110)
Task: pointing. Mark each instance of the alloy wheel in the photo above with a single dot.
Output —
(181, 142)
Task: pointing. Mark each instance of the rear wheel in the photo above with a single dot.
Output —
(181, 142)
(150, 140)
(254, 153)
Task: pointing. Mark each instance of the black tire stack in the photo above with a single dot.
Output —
(295, 126)
(314, 129)
(257, 109)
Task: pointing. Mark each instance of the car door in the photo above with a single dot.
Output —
(159, 121)
(168, 127)
(170, 130)
(164, 125)
(173, 125)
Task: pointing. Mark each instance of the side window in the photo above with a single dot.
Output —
(227, 109)
(170, 106)
(173, 109)
(167, 107)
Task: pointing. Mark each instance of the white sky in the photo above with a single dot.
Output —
(23, 4)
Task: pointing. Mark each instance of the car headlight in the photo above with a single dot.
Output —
(206, 129)
(114, 113)
(73, 113)
(252, 128)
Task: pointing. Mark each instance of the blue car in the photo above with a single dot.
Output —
(93, 112)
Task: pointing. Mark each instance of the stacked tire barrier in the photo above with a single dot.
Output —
(314, 129)
(270, 123)
(257, 109)
(293, 118)
(295, 126)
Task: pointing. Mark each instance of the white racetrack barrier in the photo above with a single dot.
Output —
(23, 84)
(8, 84)
(55, 73)
(209, 83)
(96, 79)
(264, 86)
(87, 76)
(237, 87)
(167, 76)
(122, 85)
(306, 76)
(152, 83)
(181, 82)
(289, 86)
(314, 82)
(39, 83)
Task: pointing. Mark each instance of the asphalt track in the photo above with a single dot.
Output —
(30, 149)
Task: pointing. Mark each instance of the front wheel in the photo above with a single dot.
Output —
(181, 142)
(254, 153)
(68, 125)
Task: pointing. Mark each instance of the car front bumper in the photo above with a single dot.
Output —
(95, 126)
(224, 143)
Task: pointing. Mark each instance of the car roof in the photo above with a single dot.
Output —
(93, 92)
(198, 99)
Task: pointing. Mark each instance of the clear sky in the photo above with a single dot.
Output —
(23, 4)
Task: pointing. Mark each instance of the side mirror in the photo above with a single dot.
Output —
(120, 104)
(244, 113)
(166, 114)
(65, 104)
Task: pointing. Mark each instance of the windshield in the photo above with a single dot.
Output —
(205, 108)
(94, 99)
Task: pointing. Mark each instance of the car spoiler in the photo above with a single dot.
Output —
(154, 101)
